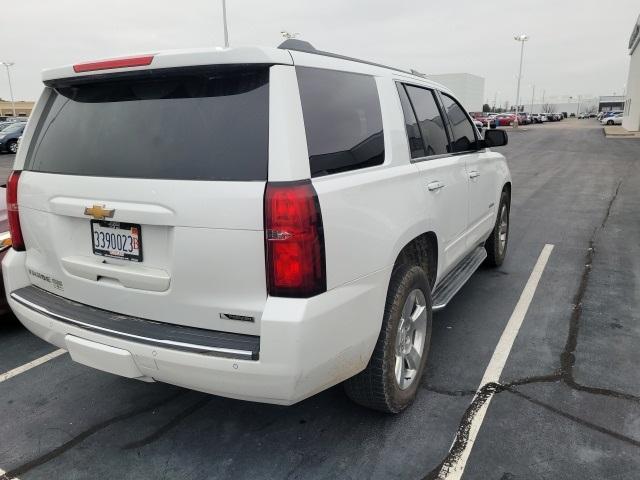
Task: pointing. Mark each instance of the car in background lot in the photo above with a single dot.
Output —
(486, 119)
(609, 113)
(612, 120)
(505, 119)
(9, 137)
(4, 125)
(254, 275)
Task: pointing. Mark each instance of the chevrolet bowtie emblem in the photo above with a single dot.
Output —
(99, 212)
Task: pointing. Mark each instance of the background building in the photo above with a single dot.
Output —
(469, 89)
(568, 104)
(23, 109)
(611, 102)
(631, 120)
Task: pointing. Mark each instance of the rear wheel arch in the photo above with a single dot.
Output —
(421, 251)
(507, 188)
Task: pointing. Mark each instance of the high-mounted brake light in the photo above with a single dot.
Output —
(12, 211)
(114, 63)
(294, 240)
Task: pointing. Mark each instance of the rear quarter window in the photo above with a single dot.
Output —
(209, 123)
(342, 119)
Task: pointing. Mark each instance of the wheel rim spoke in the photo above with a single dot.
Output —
(410, 338)
(399, 369)
(413, 359)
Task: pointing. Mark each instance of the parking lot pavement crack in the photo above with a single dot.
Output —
(567, 357)
(573, 418)
(449, 393)
(564, 374)
(168, 426)
(462, 435)
(553, 377)
(56, 452)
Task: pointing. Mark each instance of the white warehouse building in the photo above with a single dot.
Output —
(631, 120)
(467, 87)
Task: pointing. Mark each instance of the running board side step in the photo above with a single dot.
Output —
(456, 278)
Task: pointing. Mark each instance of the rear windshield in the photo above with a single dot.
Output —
(205, 124)
(13, 128)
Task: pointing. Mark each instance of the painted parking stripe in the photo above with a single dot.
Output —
(24, 368)
(28, 366)
(2, 473)
(493, 371)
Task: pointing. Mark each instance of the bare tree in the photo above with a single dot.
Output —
(548, 108)
(590, 110)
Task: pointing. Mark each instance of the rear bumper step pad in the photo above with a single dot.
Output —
(150, 332)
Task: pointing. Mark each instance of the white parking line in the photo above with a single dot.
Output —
(2, 472)
(24, 368)
(493, 371)
(28, 366)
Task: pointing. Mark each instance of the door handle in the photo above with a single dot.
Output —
(437, 185)
(474, 174)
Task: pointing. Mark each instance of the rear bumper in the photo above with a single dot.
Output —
(305, 345)
(175, 337)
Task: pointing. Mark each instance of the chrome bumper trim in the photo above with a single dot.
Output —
(208, 349)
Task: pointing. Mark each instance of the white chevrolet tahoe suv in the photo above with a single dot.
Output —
(257, 223)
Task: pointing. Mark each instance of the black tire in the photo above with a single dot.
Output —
(610, 122)
(376, 386)
(496, 252)
(11, 145)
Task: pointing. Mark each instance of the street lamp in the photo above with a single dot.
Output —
(13, 103)
(519, 38)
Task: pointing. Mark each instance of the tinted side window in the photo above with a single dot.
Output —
(342, 119)
(464, 136)
(416, 146)
(429, 119)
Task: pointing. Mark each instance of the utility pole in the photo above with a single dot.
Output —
(519, 38)
(579, 103)
(13, 103)
(224, 21)
(533, 95)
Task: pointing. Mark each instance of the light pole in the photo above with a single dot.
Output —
(13, 103)
(579, 104)
(224, 22)
(533, 96)
(519, 38)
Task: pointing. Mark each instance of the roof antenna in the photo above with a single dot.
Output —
(288, 35)
(224, 22)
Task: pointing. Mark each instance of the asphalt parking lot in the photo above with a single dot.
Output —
(567, 405)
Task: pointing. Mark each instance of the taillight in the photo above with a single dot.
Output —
(294, 240)
(12, 211)
(125, 62)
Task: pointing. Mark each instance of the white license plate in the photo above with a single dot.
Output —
(117, 240)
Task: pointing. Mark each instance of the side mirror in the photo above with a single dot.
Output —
(495, 138)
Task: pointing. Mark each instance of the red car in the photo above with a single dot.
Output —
(505, 119)
(484, 119)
